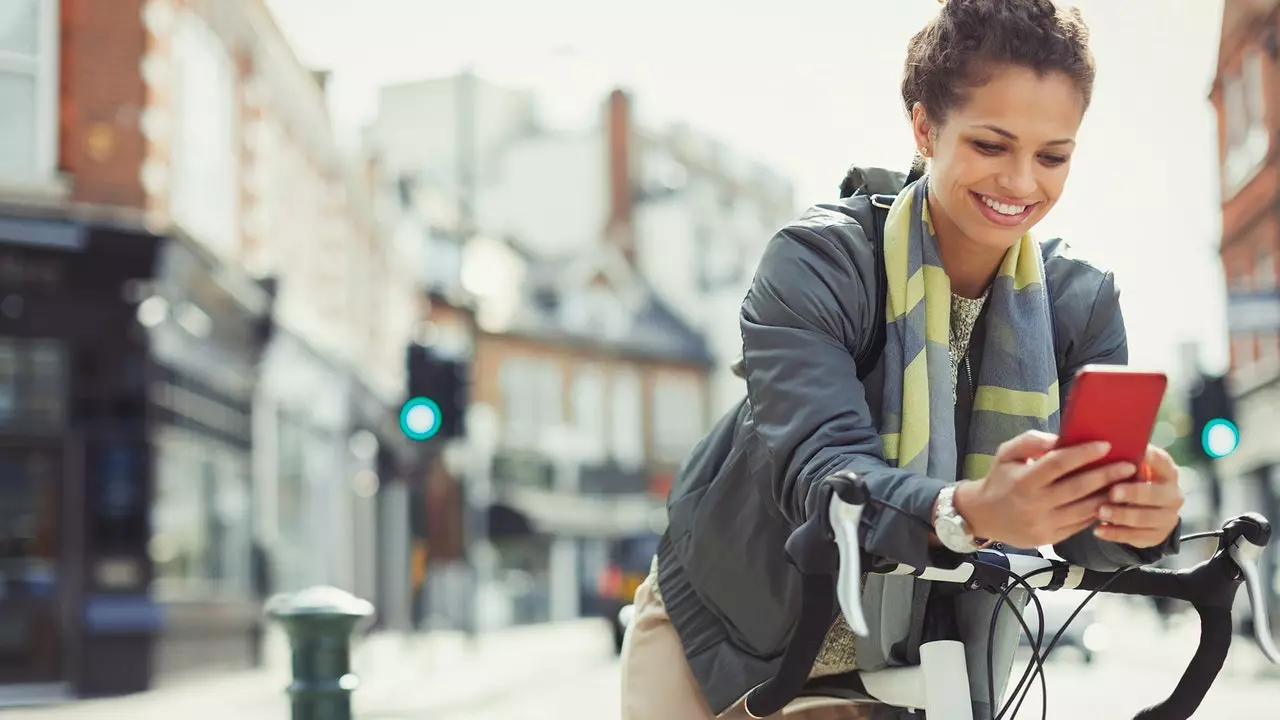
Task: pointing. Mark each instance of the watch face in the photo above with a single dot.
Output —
(952, 536)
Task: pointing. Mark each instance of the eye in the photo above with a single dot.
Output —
(987, 148)
(1052, 160)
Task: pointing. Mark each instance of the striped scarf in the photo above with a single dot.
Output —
(1017, 384)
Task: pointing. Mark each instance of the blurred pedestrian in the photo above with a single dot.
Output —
(261, 580)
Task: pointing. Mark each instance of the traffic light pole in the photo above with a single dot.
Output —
(1209, 470)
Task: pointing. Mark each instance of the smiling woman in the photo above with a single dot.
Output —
(998, 125)
(951, 418)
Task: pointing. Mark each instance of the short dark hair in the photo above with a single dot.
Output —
(969, 39)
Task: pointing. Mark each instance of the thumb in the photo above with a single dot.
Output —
(1026, 446)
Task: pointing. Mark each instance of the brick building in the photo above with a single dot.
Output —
(599, 376)
(599, 391)
(196, 300)
(1246, 97)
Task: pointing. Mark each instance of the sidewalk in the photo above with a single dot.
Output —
(1171, 646)
(402, 676)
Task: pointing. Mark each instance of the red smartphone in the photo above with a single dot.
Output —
(1115, 404)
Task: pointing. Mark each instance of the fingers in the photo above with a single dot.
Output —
(1140, 514)
(1026, 446)
(1156, 495)
(1137, 537)
(1132, 517)
(1160, 466)
(1072, 530)
(1081, 513)
(1090, 482)
(1064, 461)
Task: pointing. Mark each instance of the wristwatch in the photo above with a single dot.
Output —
(952, 530)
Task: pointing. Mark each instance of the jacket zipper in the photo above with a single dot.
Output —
(968, 372)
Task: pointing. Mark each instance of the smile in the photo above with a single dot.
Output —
(1002, 214)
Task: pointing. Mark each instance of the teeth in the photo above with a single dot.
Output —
(1002, 208)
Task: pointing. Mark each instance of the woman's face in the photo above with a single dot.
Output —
(1000, 161)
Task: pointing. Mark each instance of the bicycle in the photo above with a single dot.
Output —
(826, 552)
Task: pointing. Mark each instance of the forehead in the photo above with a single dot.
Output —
(1035, 108)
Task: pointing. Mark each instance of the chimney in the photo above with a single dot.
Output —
(617, 126)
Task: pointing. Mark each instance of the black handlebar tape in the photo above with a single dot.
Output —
(1215, 641)
(817, 593)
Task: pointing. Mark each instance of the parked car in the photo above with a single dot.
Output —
(628, 566)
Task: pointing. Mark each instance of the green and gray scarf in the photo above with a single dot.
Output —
(1017, 384)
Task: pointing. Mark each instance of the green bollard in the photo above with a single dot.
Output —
(319, 622)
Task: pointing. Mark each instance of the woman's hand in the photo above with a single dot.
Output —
(1035, 494)
(1143, 513)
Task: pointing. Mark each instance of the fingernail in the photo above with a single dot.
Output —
(1118, 494)
(1102, 531)
(1104, 512)
(1102, 448)
(1124, 470)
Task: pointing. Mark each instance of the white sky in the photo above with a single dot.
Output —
(813, 88)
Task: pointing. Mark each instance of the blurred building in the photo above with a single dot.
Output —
(202, 335)
(690, 214)
(1246, 97)
(599, 384)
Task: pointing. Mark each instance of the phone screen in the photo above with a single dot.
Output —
(1115, 404)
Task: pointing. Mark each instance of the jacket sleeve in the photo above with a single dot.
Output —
(802, 321)
(1103, 342)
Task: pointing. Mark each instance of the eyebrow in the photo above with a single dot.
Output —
(1010, 136)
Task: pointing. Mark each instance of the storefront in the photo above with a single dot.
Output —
(206, 333)
(304, 486)
(125, 362)
(381, 538)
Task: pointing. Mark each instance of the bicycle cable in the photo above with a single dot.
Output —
(1036, 666)
(1036, 660)
(1071, 618)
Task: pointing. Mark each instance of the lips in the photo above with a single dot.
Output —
(1000, 213)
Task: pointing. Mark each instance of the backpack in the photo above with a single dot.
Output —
(869, 183)
(866, 182)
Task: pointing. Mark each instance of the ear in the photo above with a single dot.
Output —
(922, 128)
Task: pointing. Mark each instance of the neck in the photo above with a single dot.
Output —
(970, 266)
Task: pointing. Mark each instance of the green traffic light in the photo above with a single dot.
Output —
(1219, 438)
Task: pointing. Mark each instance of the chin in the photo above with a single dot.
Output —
(996, 238)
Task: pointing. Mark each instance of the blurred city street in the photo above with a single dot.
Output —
(568, 672)
(428, 314)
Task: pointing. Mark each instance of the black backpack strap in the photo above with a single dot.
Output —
(870, 356)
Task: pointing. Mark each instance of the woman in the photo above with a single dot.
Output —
(983, 330)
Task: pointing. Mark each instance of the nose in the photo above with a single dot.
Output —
(1018, 178)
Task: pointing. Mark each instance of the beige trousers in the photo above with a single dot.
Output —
(657, 683)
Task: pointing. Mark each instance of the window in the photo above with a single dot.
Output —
(532, 399)
(201, 517)
(626, 426)
(205, 188)
(1243, 107)
(677, 416)
(33, 384)
(28, 89)
(1240, 278)
(1242, 351)
(589, 411)
(1268, 352)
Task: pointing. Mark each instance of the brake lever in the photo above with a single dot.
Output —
(1245, 554)
(845, 518)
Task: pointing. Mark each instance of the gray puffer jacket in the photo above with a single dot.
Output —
(727, 586)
